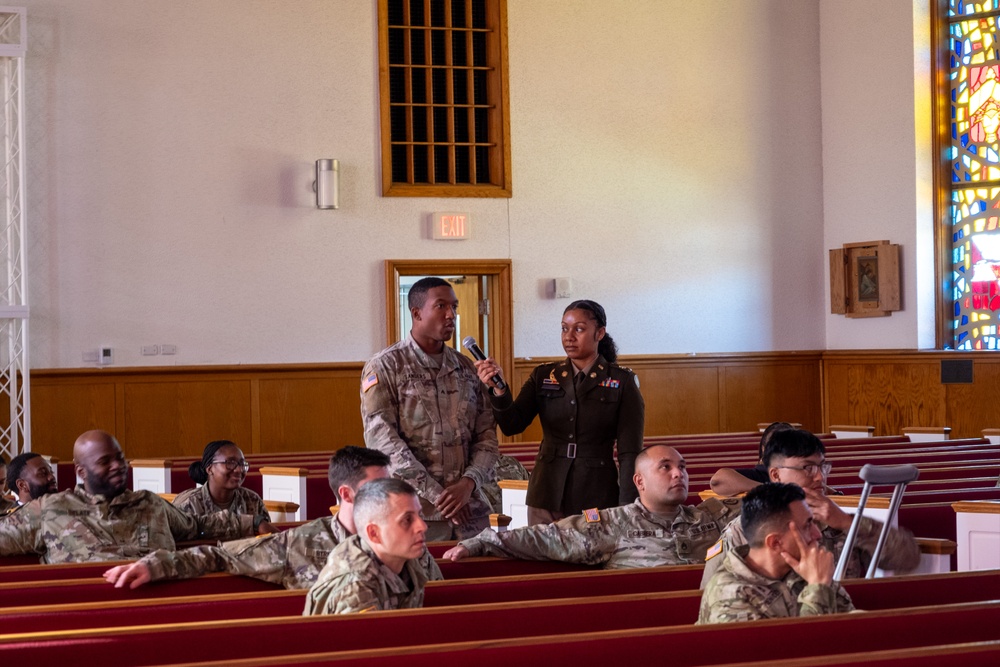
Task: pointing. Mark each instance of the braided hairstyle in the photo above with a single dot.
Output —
(606, 347)
(198, 471)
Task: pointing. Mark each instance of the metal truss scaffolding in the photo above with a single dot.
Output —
(15, 430)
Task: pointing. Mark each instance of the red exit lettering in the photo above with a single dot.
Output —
(452, 226)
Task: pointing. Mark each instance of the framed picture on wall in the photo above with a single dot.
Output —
(864, 279)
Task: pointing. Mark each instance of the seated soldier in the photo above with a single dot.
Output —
(220, 473)
(292, 558)
(798, 457)
(102, 520)
(7, 503)
(657, 529)
(783, 571)
(732, 482)
(382, 567)
(507, 467)
(30, 477)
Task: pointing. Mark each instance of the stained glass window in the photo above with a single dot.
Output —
(975, 173)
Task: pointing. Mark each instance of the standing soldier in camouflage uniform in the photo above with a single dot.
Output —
(102, 520)
(378, 568)
(784, 570)
(588, 407)
(654, 530)
(798, 457)
(291, 558)
(423, 405)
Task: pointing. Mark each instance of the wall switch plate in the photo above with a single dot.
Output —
(168, 349)
(91, 356)
(150, 350)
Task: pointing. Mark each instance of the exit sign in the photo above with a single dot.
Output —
(450, 226)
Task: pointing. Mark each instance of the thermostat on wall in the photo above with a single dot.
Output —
(450, 226)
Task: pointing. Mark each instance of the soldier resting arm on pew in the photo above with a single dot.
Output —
(783, 571)
(654, 530)
(798, 457)
(103, 520)
(382, 566)
(292, 558)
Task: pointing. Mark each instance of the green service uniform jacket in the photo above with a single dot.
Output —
(575, 467)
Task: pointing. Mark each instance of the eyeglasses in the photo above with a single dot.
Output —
(233, 464)
(811, 468)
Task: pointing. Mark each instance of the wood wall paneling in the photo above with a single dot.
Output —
(893, 389)
(679, 399)
(775, 391)
(62, 410)
(310, 414)
(164, 419)
(970, 408)
(162, 412)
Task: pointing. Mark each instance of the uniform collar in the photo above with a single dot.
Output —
(448, 361)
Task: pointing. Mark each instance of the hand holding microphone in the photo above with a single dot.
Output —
(492, 371)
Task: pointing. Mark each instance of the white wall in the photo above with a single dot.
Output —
(666, 155)
(877, 156)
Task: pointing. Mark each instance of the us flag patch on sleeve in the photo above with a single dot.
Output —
(714, 550)
(592, 515)
(368, 382)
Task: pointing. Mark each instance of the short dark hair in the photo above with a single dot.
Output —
(16, 468)
(418, 292)
(768, 433)
(371, 502)
(347, 466)
(792, 443)
(766, 510)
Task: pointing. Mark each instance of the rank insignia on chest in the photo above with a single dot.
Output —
(592, 515)
(609, 382)
(368, 382)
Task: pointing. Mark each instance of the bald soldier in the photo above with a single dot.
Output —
(657, 529)
(102, 520)
(292, 558)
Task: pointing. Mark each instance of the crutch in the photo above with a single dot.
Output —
(872, 475)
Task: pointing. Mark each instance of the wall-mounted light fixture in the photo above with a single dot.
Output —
(327, 183)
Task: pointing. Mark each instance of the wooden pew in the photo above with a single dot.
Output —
(599, 631)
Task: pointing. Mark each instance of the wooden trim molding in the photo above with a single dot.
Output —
(977, 506)
(172, 412)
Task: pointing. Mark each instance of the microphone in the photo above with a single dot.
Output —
(469, 343)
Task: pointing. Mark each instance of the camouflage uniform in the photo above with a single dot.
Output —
(619, 537)
(7, 505)
(737, 593)
(291, 558)
(355, 580)
(75, 526)
(900, 552)
(198, 501)
(507, 467)
(434, 422)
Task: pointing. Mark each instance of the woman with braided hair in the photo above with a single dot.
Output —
(587, 405)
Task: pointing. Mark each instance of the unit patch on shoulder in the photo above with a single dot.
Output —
(368, 382)
(592, 515)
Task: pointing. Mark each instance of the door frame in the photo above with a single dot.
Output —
(499, 291)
